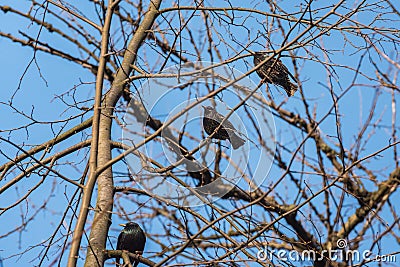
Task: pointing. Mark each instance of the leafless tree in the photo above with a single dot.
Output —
(318, 173)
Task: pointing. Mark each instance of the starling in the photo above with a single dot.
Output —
(212, 119)
(132, 239)
(275, 72)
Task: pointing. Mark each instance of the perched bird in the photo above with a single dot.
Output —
(132, 239)
(212, 119)
(275, 72)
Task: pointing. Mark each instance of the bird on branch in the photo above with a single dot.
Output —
(132, 239)
(274, 72)
(212, 119)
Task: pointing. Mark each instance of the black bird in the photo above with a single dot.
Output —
(275, 72)
(132, 239)
(212, 119)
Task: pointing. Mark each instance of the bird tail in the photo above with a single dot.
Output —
(291, 89)
(236, 141)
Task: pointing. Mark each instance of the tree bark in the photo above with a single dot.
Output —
(102, 218)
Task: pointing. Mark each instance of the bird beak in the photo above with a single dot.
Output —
(122, 224)
(203, 106)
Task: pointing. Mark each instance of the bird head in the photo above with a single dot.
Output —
(261, 54)
(129, 225)
(207, 109)
(255, 53)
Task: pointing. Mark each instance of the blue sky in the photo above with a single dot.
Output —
(41, 97)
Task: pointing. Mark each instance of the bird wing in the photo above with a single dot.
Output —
(280, 64)
(141, 248)
(227, 124)
(285, 69)
(120, 241)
